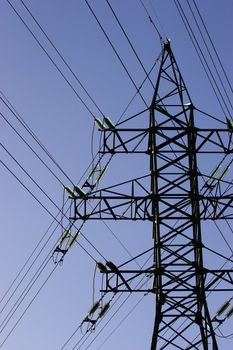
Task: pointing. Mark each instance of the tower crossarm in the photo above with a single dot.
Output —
(208, 141)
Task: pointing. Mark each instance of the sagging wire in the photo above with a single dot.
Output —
(99, 304)
(20, 119)
(153, 24)
(121, 322)
(51, 60)
(118, 309)
(15, 325)
(61, 56)
(115, 51)
(66, 201)
(63, 201)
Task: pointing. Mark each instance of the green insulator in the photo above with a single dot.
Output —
(104, 310)
(229, 124)
(223, 308)
(224, 173)
(215, 171)
(93, 308)
(101, 174)
(79, 191)
(74, 239)
(112, 266)
(109, 123)
(66, 234)
(229, 313)
(101, 267)
(99, 124)
(69, 192)
(92, 172)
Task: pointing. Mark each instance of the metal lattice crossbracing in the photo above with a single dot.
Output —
(174, 196)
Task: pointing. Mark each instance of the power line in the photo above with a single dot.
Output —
(101, 320)
(44, 192)
(213, 46)
(24, 293)
(30, 177)
(52, 61)
(109, 320)
(152, 22)
(129, 42)
(56, 49)
(43, 206)
(29, 258)
(15, 325)
(37, 257)
(39, 271)
(30, 147)
(210, 55)
(202, 58)
(116, 53)
(62, 58)
(121, 322)
(18, 117)
(30, 192)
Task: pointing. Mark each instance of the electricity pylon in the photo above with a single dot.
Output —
(174, 196)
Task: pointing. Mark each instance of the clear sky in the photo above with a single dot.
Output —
(52, 109)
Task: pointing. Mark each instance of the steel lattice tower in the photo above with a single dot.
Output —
(170, 199)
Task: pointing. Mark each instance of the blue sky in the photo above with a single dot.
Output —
(64, 126)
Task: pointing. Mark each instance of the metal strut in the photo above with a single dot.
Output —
(175, 196)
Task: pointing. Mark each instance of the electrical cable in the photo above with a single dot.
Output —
(31, 265)
(130, 43)
(41, 204)
(210, 116)
(31, 178)
(24, 293)
(15, 325)
(47, 196)
(32, 150)
(24, 186)
(62, 58)
(27, 289)
(121, 322)
(29, 268)
(101, 320)
(114, 314)
(157, 18)
(213, 46)
(54, 174)
(202, 58)
(37, 184)
(29, 258)
(135, 94)
(229, 336)
(210, 55)
(132, 47)
(16, 114)
(52, 61)
(200, 55)
(152, 22)
(51, 44)
(116, 53)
